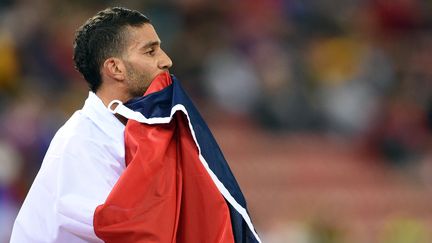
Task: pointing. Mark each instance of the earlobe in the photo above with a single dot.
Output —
(114, 68)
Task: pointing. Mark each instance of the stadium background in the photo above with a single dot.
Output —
(323, 108)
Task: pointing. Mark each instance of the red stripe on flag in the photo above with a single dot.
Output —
(165, 194)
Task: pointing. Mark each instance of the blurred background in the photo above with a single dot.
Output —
(322, 108)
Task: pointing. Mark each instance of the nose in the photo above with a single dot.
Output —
(165, 61)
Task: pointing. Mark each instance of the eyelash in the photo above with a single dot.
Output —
(151, 52)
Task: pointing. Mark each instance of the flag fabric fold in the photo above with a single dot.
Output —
(177, 186)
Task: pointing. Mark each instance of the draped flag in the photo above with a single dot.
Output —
(177, 186)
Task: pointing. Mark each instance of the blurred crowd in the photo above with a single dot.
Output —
(357, 69)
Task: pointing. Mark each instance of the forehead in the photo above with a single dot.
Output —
(140, 36)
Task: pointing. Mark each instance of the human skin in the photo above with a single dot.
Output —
(130, 74)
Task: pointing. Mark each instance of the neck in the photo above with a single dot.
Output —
(109, 95)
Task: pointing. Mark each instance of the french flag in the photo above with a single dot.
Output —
(177, 186)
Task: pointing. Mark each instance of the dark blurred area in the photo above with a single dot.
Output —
(323, 108)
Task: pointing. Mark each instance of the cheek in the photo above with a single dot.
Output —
(149, 69)
(147, 66)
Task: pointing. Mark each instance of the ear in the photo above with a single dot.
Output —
(114, 68)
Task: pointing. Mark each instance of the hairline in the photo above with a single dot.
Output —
(125, 38)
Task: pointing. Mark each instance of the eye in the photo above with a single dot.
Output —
(150, 52)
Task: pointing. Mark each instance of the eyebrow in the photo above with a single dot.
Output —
(150, 44)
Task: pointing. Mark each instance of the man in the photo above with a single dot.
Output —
(118, 52)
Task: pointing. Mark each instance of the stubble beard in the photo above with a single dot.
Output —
(138, 82)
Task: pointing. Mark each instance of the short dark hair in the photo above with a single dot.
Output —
(101, 37)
